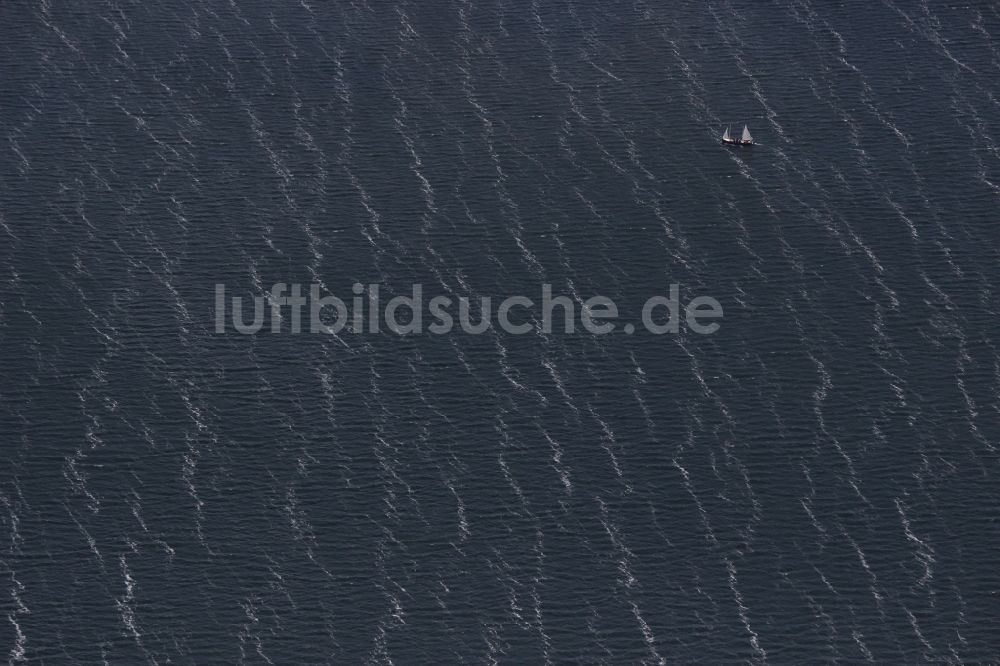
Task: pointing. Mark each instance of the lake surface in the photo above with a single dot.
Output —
(817, 481)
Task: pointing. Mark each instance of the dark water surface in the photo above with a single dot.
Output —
(816, 482)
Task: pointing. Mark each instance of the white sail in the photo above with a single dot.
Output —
(746, 135)
(725, 136)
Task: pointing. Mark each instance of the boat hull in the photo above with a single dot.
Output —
(737, 142)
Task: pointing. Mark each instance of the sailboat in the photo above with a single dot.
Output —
(744, 140)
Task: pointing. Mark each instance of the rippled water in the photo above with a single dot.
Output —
(816, 482)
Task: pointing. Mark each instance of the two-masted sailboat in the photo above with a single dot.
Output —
(744, 140)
